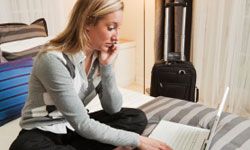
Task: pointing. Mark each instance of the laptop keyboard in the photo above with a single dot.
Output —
(185, 139)
(180, 137)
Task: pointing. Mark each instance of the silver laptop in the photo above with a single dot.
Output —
(184, 137)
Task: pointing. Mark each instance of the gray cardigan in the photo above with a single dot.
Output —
(57, 98)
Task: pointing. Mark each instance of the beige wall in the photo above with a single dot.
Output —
(149, 38)
(133, 29)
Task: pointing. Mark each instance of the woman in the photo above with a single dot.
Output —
(66, 76)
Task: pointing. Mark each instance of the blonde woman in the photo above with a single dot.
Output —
(72, 69)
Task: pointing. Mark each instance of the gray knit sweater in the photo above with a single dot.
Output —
(59, 96)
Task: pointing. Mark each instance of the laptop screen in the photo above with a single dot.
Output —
(217, 117)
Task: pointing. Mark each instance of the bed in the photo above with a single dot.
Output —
(233, 131)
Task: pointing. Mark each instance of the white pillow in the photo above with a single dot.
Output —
(22, 45)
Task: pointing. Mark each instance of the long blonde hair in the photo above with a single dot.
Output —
(85, 12)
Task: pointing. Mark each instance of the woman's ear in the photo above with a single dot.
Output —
(89, 27)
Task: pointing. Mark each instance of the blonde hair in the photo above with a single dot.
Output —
(85, 12)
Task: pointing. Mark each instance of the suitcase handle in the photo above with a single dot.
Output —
(173, 4)
(166, 40)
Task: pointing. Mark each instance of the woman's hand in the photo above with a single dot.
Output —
(108, 57)
(152, 144)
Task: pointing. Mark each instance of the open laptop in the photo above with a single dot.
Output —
(185, 137)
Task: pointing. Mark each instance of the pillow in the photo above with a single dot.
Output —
(14, 77)
(2, 59)
(23, 48)
(19, 31)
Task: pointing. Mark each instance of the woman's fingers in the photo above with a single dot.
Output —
(108, 57)
(152, 144)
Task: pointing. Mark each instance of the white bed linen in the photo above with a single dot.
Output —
(9, 131)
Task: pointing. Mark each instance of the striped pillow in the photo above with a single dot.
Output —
(233, 132)
(14, 77)
(2, 59)
(19, 31)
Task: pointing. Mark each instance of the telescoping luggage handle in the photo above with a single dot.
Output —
(166, 39)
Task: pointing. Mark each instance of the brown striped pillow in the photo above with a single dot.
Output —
(20, 31)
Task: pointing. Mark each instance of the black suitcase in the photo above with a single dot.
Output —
(174, 79)
(173, 76)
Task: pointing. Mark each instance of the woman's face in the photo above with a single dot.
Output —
(105, 33)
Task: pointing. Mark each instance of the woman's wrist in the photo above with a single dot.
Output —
(140, 144)
(105, 70)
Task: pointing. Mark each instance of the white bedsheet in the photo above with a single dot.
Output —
(9, 131)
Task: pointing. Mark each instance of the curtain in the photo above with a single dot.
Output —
(55, 12)
(221, 52)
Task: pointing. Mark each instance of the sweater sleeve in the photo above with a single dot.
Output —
(54, 76)
(110, 96)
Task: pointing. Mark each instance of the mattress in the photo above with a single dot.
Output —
(9, 131)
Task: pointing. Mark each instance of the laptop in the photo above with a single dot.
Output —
(185, 137)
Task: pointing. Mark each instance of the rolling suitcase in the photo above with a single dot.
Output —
(174, 77)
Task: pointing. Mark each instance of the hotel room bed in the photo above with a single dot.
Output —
(233, 131)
